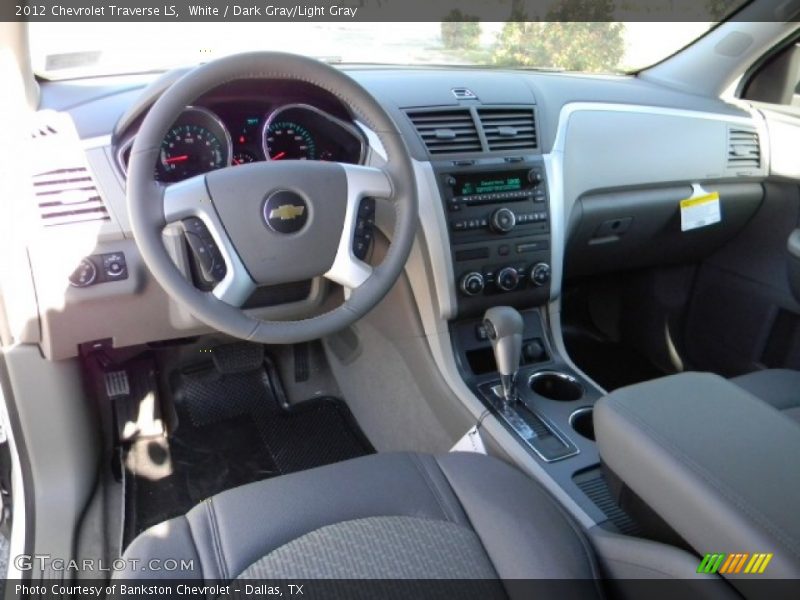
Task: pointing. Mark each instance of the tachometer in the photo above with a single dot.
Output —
(289, 140)
(305, 132)
(197, 143)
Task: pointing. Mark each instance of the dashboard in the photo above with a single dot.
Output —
(221, 132)
(512, 186)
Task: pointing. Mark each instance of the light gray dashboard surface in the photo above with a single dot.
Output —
(590, 131)
(96, 105)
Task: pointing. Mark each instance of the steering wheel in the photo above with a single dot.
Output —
(271, 222)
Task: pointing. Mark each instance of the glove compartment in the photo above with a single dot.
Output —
(626, 229)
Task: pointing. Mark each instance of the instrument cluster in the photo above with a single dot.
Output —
(228, 134)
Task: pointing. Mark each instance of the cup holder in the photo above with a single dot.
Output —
(582, 421)
(556, 386)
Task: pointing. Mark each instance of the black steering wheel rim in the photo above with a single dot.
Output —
(147, 198)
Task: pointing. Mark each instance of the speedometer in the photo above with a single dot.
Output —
(197, 143)
(289, 140)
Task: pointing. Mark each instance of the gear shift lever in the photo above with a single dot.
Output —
(504, 327)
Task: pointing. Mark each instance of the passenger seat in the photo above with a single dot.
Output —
(778, 387)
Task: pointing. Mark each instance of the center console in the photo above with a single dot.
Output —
(498, 215)
(499, 221)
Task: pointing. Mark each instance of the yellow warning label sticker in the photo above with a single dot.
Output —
(700, 211)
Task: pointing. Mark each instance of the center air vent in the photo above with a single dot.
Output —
(446, 131)
(744, 151)
(509, 128)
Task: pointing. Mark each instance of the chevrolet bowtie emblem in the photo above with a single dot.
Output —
(287, 212)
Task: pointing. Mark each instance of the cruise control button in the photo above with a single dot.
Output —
(367, 207)
(202, 251)
(360, 248)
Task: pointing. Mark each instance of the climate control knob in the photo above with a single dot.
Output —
(508, 279)
(540, 274)
(503, 220)
(472, 283)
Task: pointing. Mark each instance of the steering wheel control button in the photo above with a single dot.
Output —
(204, 248)
(84, 275)
(285, 212)
(204, 258)
(365, 228)
(472, 284)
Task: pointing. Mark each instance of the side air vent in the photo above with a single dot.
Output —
(66, 196)
(509, 128)
(744, 151)
(446, 131)
(63, 187)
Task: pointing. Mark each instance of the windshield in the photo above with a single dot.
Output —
(61, 50)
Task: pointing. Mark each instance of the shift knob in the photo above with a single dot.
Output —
(504, 326)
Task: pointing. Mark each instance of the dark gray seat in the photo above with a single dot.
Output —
(777, 387)
(392, 516)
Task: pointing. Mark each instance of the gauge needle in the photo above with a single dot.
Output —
(175, 159)
(279, 156)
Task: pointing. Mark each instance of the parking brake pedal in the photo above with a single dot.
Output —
(238, 357)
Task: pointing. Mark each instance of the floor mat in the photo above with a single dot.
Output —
(231, 430)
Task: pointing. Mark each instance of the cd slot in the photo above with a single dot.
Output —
(479, 199)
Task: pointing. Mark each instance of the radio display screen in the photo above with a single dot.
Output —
(489, 183)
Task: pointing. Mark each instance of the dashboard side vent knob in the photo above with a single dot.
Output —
(445, 134)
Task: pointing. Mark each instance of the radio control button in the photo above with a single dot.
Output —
(503, 220)
(535, 176)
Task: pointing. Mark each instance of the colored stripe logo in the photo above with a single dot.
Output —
(735, 563)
